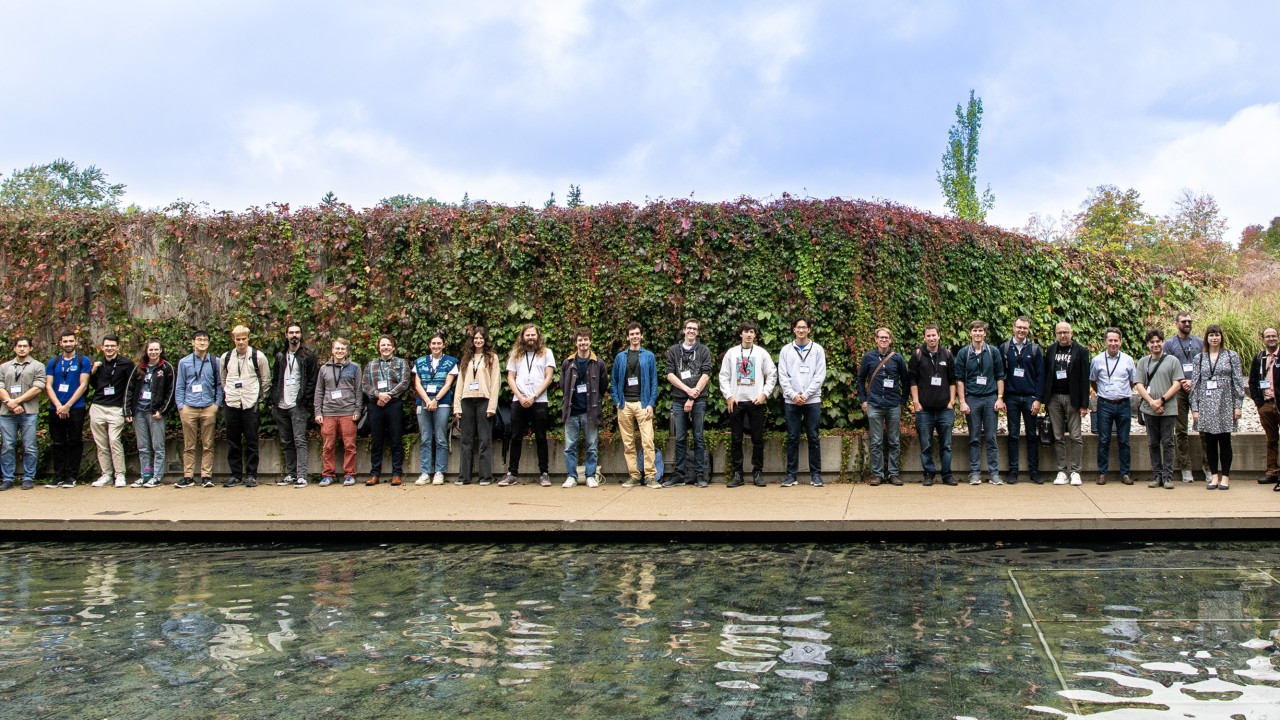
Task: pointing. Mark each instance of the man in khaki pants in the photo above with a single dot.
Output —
(197, 393)
(634, 387)
(109, 379)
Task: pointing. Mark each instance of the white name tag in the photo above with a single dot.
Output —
(146, 395)
(1265, 384)
(382, 384)
(582, 389)
(1061, 374)
(474, 386)
(805, 369)
(197, 387)
(1019, 372)
(1188, 367)
(336, 394)
(935, 381)
(64, 387)
(888, 382)
(238, 385)
(108, 391)
(633, 381)
(291, 381)
(17, 389)
(686, 374)
(1211, 385)
(432, 388)
(981, 380)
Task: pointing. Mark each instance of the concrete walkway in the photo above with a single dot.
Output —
(610, 508)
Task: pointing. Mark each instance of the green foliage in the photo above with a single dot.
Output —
(1267, 240)
(1242, 316)
(849, 265)
(59, 186)
(575, 196)
(406, 200)
(959, 174)
(1111, 219)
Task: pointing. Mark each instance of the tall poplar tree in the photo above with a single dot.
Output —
(959, 174)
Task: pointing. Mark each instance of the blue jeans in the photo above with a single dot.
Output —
(1019, 411)
(433, 433)
(683, 422)
(10, 426)
(982, 429)
(1122, 416)
(884, 425)
(150, 435)
(927, 422)
(575, 427)
(808, 415)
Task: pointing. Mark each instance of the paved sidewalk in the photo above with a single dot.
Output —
(610, 508)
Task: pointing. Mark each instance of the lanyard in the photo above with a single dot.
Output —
(933, 360)
(1269, 362)
(337, 372)
(1111, 369)
(968, 362)
(199, 377)
(290, 363)
(1213, 364)
(64, 366)
(18, 369)
(475, 368)
(239, 364)
(1186, 349)
(804, 356)
(1017, 351)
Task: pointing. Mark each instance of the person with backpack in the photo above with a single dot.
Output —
(1217, 395)
(980, 384)
(147, 400)
(1023, 395)
(197, 395)
(688, 365)
(882, 392)
(477, 401)
(1159, 382)
(247, 382)
(931, 374)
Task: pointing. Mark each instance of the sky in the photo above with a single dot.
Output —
(241, 104)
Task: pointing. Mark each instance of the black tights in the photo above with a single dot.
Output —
(1217, 448)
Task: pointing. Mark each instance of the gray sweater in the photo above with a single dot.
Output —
(338, 390)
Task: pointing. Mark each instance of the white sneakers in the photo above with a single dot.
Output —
(592, 481)
(437, 479)
(1061, 479)
(1075, 478)
(1186, 476)
(570, 481)
(422, 479)
(103, 481)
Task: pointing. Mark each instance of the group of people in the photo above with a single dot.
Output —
(1184, 377)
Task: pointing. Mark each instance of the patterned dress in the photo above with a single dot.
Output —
(1217, 390)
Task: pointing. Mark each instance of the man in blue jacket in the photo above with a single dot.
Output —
(634, 388)
(1023, 396)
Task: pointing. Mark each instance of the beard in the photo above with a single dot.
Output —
(531, 344)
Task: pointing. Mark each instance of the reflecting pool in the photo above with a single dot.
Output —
(672, 630)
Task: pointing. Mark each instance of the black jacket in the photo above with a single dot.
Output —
(920, 373)
(597, 382)
(110, 375)
(162, 379)
(308, 368)
(1255, 376)
(1077, 374)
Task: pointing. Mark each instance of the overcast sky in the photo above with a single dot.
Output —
(244, 103)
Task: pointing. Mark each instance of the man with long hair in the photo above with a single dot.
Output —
(530, 368)
(293, 385)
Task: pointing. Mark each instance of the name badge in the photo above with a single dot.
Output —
(804, 369)
(1061, 374)
(474, 386)
(1265, 384)
(1019, 372)
(15, 389)
(633, 381)
(981, 380)
(382, 384)
(197, 387)
(1188, 367)
(582, 389)
(432, 388)
(935, 381)
(746, 381)
(291, 381)
(1211, 385)
(145, 395)
(64, 388)
(108, 391)
(686, 374)
(335, 394)
(238, 385)
(888, 382)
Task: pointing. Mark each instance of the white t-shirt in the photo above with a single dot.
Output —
(531, 371)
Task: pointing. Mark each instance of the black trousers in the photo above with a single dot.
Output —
(386, 424)
(751, 416)
(67, 443)
(242, 441)
(475, 424)
(521, 419)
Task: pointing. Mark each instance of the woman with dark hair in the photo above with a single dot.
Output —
(1217, 394)
(148, 396)
(479, 384)
(435, 375)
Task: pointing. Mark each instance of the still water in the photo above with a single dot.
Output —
(673, 630)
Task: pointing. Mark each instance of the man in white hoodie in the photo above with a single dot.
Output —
(747, 378)
(802, 367)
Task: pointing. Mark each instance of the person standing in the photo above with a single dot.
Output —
(1159, 377)
(1184, 347)
(1066, 385)
(1217, 395)
(386, 378)
(197, 393)
(980, 385)
(337, 403)
(1112, 375)
(248, 381)
(530, 370)
(747, 378)
(23, 381)
(582, 383)
(802, 368)
(633, 387)
(477, 402)
(688, 371)
(147, 401)
(882, 391)
(1262, 390)
(293, 388)
(433, 383)
(1023, 395)
(931, 374)
(109, 378)
(67, 381)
